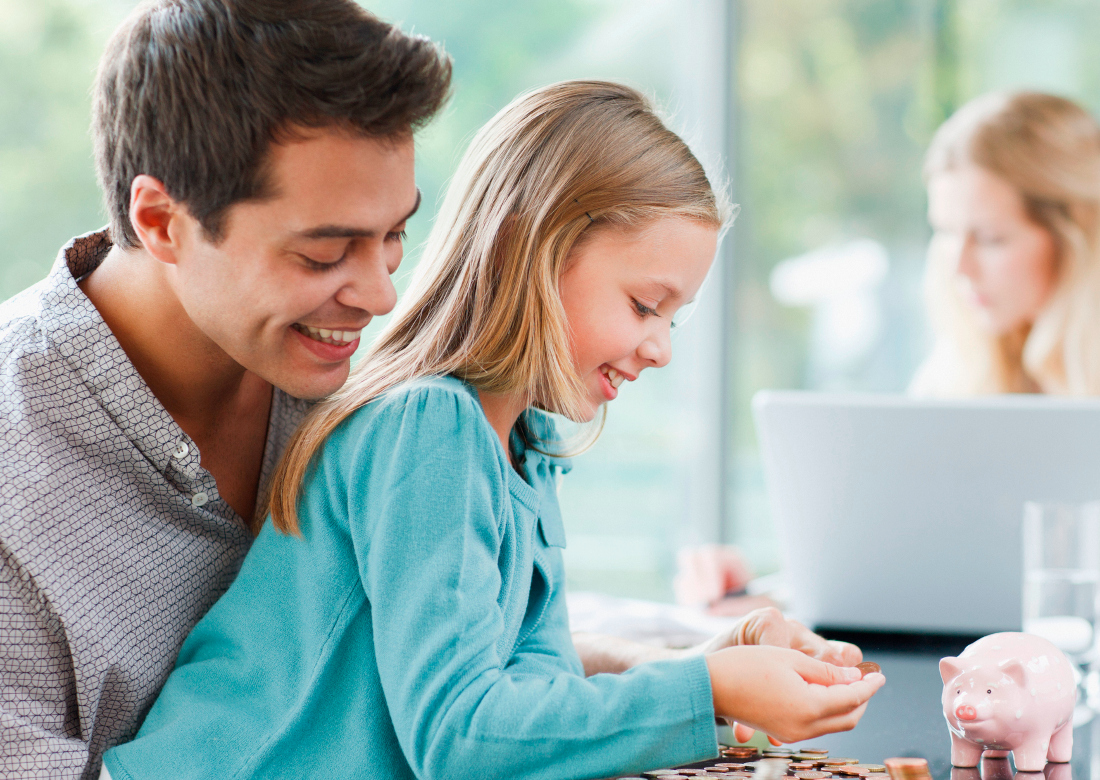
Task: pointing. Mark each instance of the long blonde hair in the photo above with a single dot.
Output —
(483, 305)
(1048, 149)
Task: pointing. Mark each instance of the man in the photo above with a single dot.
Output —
(257, 162)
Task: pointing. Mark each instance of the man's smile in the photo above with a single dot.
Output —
(339, 338)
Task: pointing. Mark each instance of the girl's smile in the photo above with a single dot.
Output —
(620, 291)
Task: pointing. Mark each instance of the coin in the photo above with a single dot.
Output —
(867, 667)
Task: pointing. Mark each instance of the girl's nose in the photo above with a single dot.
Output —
(656, 350)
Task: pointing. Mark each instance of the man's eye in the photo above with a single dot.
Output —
(399, 235)
(317, 265)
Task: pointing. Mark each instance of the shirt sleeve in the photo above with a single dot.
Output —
(39, 725)
(425, 512)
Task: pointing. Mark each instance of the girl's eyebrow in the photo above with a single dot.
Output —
(670, 289)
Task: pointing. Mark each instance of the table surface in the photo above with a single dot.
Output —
(905, 717)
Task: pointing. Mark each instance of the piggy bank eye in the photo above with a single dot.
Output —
(959, 691)
(989, 691)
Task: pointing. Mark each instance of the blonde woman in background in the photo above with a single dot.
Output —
(1013, 275)
(1012, 282)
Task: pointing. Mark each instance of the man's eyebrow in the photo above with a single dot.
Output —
(346, 231)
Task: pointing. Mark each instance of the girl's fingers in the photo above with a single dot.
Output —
(840, 700)
(742, 733)
(842, 653)
(845, 722)
(821, 673)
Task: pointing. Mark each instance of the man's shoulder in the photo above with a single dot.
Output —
(21, 322)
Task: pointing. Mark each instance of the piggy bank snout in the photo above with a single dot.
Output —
(966, 712)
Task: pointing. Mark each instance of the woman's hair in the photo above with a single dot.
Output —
(1048, 149)
(552, 167)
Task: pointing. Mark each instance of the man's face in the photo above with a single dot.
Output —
(297, 276)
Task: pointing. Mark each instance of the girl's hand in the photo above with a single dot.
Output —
(769, 627)
(787, 694)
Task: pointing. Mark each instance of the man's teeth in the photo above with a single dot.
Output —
(340, 338)
(614, 377)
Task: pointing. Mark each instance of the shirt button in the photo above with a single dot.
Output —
(199, 498)
(181, 450)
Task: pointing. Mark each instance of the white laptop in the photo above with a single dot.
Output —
(898, 514)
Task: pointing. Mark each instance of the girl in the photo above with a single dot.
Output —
(403, 613)
(1013, 271)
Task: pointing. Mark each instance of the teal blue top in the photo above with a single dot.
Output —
(417, 629)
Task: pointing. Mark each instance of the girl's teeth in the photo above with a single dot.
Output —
(325, 334)
(614, 378)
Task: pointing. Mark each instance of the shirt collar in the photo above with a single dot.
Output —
(76, 330)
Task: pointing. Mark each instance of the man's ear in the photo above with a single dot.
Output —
(152, 214)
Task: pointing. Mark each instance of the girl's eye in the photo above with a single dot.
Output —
(642, 309)
(399, 235)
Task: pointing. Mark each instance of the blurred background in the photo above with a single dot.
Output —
(814, 115)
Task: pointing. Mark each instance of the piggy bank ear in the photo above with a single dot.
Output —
(1015, 670)
(949, 669)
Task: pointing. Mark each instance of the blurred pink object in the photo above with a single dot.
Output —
(1009, 692)
(708, 573)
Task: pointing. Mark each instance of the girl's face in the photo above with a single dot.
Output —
(620, 291)
(1005, 262)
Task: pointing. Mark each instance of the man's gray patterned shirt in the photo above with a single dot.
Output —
(114, 541)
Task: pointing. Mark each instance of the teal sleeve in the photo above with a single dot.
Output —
(425, 514)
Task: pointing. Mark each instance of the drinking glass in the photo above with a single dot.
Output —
(1061, 546)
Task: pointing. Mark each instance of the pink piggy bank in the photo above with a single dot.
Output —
(1009, 692)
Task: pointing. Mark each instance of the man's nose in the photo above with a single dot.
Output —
(369, 287)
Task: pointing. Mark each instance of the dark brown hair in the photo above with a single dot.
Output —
(194, 92)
